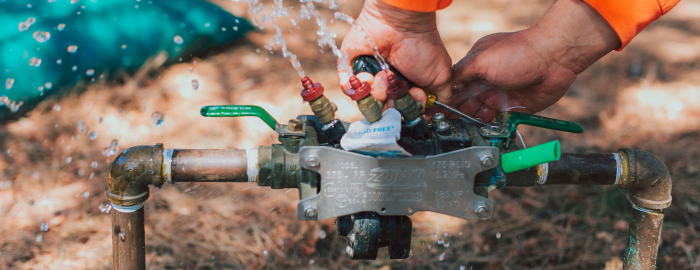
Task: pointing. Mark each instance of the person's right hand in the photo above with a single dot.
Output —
(408, 40)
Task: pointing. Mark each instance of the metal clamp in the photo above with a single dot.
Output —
(353, 183)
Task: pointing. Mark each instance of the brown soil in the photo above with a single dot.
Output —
(644, 97)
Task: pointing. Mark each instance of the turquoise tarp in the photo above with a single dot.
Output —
(108, 35)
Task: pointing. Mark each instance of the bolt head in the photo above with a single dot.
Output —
(494, 127)
(438, 117)
(294, 125)
(487, 160)
(442, 126)
(482, 211)
(310, 212)
(312, 161)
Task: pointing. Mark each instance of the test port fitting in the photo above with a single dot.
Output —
(370, 107)
(323, 109)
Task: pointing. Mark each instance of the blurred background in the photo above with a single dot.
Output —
(54, 160)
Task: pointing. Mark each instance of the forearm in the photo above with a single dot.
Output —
(573, 34)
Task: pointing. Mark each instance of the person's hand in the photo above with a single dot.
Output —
(530, 70)
(408, 40)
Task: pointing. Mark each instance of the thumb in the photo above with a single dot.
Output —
(465, 71)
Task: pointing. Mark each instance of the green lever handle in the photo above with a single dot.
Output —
(238, 111)
(529, 157)
(516, 119)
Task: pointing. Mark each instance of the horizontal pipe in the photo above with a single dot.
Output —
(210, 165)
(571, 169)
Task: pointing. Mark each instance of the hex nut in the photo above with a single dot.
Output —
(487, 160)
(310, 212)
(312, 161)
(438, 117)
(482, 211)
(294, 125)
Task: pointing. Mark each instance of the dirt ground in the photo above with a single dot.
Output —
(645, 97)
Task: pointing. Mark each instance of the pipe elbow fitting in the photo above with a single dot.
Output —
(131, 172)
(648, 180)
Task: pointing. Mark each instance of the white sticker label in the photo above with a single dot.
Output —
(376, 139)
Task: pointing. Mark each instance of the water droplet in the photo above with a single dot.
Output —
(122, 236)
(91, 176)
(440, 241)
(8, 83)
(61, 26)
(92, 135)
(223, 28)
(44, 227)
(461, 267)
(58, 62)
(112, 149)
(72, 48)
(74, 1)
(99, 119)
(312, 261)
(265, 252)
(94, 164)
(38, 237)
(105, 208)
(74, 68)
(86, 194)
(81, 127)
(69, 160)
(81, 172)
(191, 70)
(280, 242)
(23, 26)
(195, 84)
(90, 72)
(178, 39)
(41, 37)
(235, 28)
(447, 244)
(207, 24)
(157, 119)
(498, 235)
(322, 234)
(442, 256)
(57, 107)
(35, 62)
(48, 85)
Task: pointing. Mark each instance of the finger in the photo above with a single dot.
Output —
(419, 95)
(344, 81)
(465, 71)
(365, 77)
(379, 86)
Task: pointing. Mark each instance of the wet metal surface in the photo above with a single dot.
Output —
(209, 165)
(643, 243)
(128, 242)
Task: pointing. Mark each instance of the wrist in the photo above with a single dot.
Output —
(400, 19)
(573, 35)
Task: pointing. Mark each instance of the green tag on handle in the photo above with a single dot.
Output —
(516, 119)
(238, 111)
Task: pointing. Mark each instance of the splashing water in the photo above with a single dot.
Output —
(113, 148)
(278, 11)
(35, 62)
(105, 208)
(92, 135)
(8, 83)
(375, 50)
(41, 37)
(178, 39)
(157, 119)
(326, 37)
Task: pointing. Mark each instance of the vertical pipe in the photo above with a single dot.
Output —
(128, 240)
(643, 244)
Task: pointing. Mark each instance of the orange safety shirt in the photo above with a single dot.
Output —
(627, 17)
